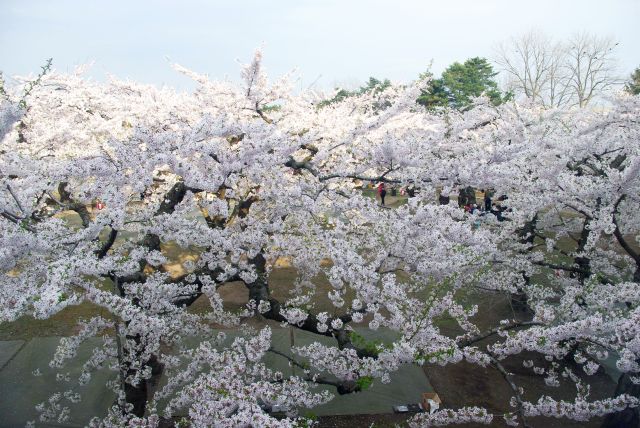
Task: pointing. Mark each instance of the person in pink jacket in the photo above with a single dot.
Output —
(382, 191)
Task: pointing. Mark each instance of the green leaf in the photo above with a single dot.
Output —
(364, 382)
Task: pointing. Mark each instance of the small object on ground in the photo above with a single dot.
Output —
(401, 408)
(408, 408)
(431, 402)
(276, 410)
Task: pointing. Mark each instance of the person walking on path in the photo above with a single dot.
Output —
(382, 191)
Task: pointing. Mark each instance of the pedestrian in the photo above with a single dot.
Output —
(382, 191)
(487, 202)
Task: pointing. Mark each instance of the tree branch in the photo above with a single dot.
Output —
(479, 337)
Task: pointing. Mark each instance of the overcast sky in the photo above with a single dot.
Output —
(329, 41)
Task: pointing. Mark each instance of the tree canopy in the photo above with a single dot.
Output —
(633, 84)
(372, 86)
(242, 188)
(460, 83)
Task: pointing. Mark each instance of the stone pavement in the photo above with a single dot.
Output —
(20, 390)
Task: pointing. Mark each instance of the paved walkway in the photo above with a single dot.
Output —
(20, 390)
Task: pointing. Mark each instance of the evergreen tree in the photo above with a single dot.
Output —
(372, 84)
(462, 82)
(633, 85)
(436, 95)
(470, 79)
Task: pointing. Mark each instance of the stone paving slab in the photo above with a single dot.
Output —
(406, 386)
(8, 349)
(610, 367)
(20, 390)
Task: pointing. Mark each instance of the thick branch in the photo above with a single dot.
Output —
(561, 267)
(507, 377)
(344, 387)
(104, 249)
(618, 234)
(479, 337)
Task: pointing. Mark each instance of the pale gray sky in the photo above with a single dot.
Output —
(339, 40)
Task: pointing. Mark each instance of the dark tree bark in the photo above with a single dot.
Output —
(526, 235)
(137, 397)
(628, 418)
(584, 263)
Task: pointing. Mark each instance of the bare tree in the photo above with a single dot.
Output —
(590, 66)
(557, 74)
(529, 63)
(557, 82)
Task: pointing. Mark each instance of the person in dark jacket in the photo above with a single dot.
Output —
(382, 191)
(487, 202)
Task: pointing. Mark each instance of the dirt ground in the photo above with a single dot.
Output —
(466, 384)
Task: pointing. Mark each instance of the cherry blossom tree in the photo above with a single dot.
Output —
(248, 174)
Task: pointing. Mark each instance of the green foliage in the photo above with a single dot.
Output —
(183, 423)
(339, 97)
(633, 85)
(372, 347)
(32, 84)
(373, 85)
(364, 382)
(470, 79)
(311, 416)
(435, 96)
(220, 391)
(460, 83)
(3, 92)
(309, 420)
(271, 107)
(435, 356)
